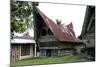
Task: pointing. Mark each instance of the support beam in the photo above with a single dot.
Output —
(35, 50)
(20, 53)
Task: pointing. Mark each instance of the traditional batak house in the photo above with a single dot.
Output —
(23, 47)
(88, 32)
(53, 39)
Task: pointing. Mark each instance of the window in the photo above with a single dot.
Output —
(43, 32)
(25, 49)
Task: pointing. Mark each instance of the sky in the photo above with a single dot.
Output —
(66, 13)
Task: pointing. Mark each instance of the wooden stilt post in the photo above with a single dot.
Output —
(35, 54)
(35, 50)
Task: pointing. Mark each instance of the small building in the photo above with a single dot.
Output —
(22, 47)
(53, 39)
(88, 32)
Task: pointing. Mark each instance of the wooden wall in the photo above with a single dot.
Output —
(15, 52)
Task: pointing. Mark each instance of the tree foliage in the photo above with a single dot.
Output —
(21, 16)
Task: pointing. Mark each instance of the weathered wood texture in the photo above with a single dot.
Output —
(15, 52)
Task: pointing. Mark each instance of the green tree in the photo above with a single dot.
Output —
(21, 16)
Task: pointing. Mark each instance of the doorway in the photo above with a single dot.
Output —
(48, 53)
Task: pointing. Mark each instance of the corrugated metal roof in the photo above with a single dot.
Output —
(23, 39)
(27, 37)
(65, 34)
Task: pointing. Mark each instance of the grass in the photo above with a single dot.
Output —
(49, 60)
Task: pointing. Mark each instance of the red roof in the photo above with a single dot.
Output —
(65, 34)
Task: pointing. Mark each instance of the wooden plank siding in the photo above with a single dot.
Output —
(15, 52)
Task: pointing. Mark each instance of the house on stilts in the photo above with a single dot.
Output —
(53, 39)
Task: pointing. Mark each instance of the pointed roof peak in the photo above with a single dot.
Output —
(59, 32)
